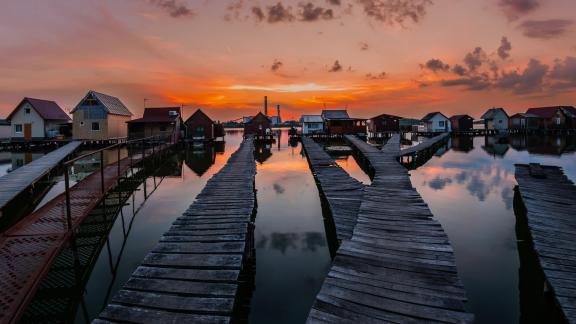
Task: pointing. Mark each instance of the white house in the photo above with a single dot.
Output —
(36, 119)
(436, 122)
(312, 124)
(496, 119)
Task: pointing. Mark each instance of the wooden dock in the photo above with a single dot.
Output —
(399, 265)
(427, 144)
(342, 193)
(17, 181)
(28, 249)
(549, 198)
(195, 273)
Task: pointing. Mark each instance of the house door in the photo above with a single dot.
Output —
(27, 132)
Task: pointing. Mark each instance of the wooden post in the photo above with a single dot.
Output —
(67, 189)
(102, 171)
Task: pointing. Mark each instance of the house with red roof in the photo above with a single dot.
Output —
(161, 121)
(38, 119)
(557, 117)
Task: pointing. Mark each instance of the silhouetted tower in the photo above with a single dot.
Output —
(266, 105)
(278, 111)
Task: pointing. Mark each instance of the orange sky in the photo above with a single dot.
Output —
(224, 56)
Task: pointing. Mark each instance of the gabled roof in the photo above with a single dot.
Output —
(112, 105)
(335, 114)
(157, 115)
(259, 115)
(386, 116)
(492, 112)
(311, 119)
(550, 112)
(458, 117)
(47, 109)
(198, 114)
(432, 114)
(524, 115)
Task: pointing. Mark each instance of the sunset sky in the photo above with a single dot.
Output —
(405, 57)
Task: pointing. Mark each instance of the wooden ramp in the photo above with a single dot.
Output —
(342, 192)
(193, 274)
(15, 182)
(399, 265)
(550, 201)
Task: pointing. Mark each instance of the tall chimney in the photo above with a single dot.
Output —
(278, 111)
(266, 105)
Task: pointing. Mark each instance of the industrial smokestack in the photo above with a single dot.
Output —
(278, 111)
(266, 105)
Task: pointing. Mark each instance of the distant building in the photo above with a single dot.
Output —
(436, 122)
(384, 123)
(100, 117)
(275, 120)
(460, 123)
(409, 124)
(559, 117)
(338, 122)
(37, 119)
(162, 121)
(524, 121)
(312, 124)
(5, 129)
(495, 119)
(257, 125)
(200, 127)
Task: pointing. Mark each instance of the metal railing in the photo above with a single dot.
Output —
(142, 145)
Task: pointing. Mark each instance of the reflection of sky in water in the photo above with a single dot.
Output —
(471, 194)
(292, 255)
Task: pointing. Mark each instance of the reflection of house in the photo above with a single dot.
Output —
(257, 124)
(436, 122)
(312, 124)
(524, 121)
(494, 147)
(5, 129)
(384, 123)
(338, 122)
(461, 123)
(463, 143)
(156, 122)
(20, 159)
(495, 119)
(200, 161)
(263, 152)
(409, 124)
(36, 119)
(200, 127)
(100, 117)
(561, 117)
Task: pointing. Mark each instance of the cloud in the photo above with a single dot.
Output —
(439, 183)
(435, 65)
(530, 80)
(377, 76)
(475, 59)
(545, 29)
(336, 67)
(474, 83)
(513, 9)
(276, 65)
(505, 48)
(565, 72)
(310, 12)
(288, 88)
(278, 188)
(258, 13)
(279, 13)
(395, 11)
(364, 46)
(459, 70)
(174, 8)
(334, 2)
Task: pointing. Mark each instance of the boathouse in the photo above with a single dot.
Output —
(200, 127)
(312, 124)
(462, 123)
(38, 119)
(559, 117)
(436, 122)
(496, 119)
(409, 124)
(384, 123)
(257, 124)
(524, 121)
(162, 121)
(100, 117)
(338, 122)
(5, 129)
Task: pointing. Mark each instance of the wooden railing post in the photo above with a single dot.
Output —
(67, 190)
(102, 171)
(118, 163)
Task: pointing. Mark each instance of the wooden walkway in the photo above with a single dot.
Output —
(427, 144)
(550, 201)
(193, 274)
(28, 249)
(342, 192)
(15, 182)
(399, 265)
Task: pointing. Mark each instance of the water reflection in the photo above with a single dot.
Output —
(307, 242)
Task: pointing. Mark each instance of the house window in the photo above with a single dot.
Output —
(557, 120)
(441, 123)
(95, 126)
(27, 111)
(201, 128)
(500, 121)
(17, 128)
(81, 123)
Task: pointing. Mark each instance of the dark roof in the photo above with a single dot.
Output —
(457, 117)
(550, 112)
(199, 114)
(492, 111)
(335, 114)
(259, 115)
(157, 115)
(432, 114)
(112, 105)
(386, 116)
(525, 115)
(569, 110)
(47, 109)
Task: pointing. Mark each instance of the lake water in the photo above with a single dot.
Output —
(468, 186)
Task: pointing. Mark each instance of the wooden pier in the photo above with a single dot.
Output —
(549, 198)
(17, 181)
(196, 272)
(399, 265)
(28, 249)
(419, 154)
(342, 193)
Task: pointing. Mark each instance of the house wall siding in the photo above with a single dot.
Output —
(20, 118)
